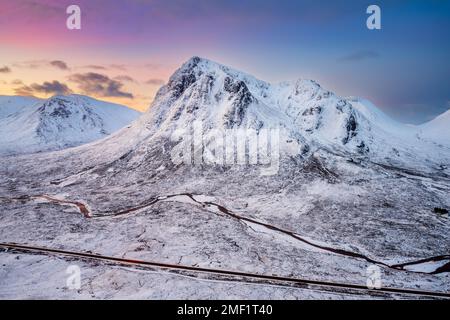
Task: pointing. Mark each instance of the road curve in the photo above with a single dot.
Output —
(105, 215)
(270, 279)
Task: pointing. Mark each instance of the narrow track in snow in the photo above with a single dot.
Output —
(266, 279)
(205, 204)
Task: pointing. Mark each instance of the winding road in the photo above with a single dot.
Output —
(209, 205)
(347, 288)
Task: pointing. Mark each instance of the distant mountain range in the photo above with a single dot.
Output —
(29, 125)
(311, 116)
(225, 98)
(353, 189)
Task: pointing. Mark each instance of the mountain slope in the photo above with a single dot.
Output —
(366, 204)
(16, 104)
(226, 98)
(29, 125)
(437, 129)
(311, 116)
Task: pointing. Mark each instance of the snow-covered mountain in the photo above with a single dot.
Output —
(310, 117)
(308, 114)
(437, 129)
(15, 104)
(30, 125)
(226, 98)
(358, 189)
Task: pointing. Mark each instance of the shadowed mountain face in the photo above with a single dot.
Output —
(309, 118)
(217, 99)
(226, 98)
(352, 188)
(29, 125)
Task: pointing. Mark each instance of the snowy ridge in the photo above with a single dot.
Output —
(223, 98)
(15, 104)
(29, 125)
(437, 129)
(308, 114)
(362, 189)
(316, 118)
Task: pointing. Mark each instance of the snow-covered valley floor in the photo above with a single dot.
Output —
(356, 199)
(378, 214)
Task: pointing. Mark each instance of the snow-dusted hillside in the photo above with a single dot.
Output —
(308, 114)
(29, 125)
(358, 190)
(438, 129)
(16, 104)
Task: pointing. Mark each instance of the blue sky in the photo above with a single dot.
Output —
(404, 68)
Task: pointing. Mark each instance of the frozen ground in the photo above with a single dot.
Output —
(384, 216)
(328, 214)
(30, 125)
(42, 277)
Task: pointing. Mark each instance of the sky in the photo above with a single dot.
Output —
(125, 50)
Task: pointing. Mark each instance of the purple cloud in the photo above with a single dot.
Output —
(95, 67)
(124, 78)
(54, 87)
(59, 64)
(92, 83)
(5, 69)
(121, 67)
(17, 82)
(36, 64)
(360, 55)
(155, 82)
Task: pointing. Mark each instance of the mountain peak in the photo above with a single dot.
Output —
(226, 98)
(58, 122)
(195, 64)
(310, 115)
(437, 129)
(196, 61)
